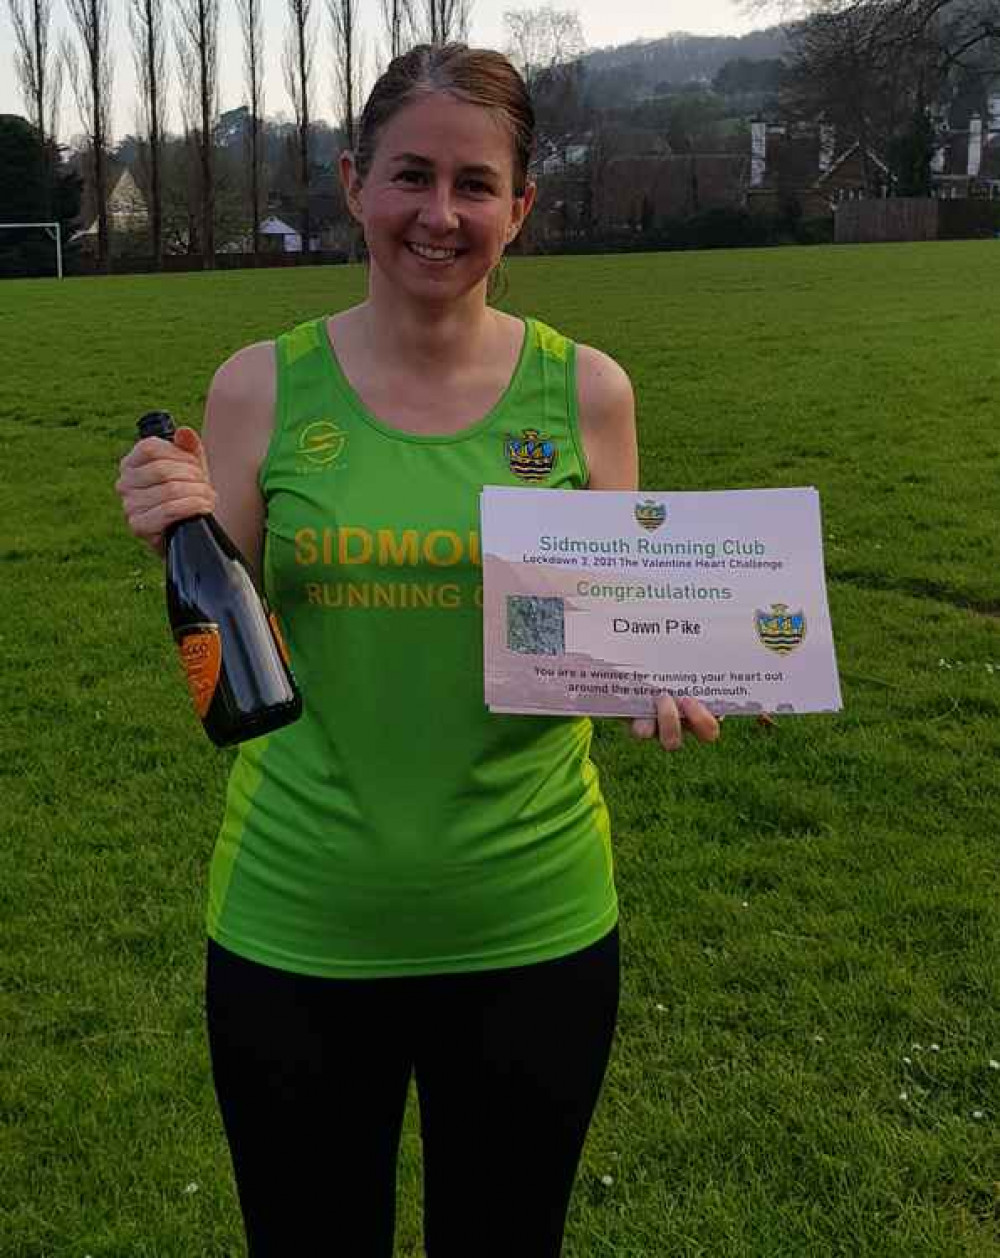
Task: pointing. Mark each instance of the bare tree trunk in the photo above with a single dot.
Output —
(92, 19)
(253, 56)
(37, 72)
(207, 141)
(397, 17)
(155, 164)
(298, 59)
(198, 35)
(146, 22)
(447, 20)
(347, 64)
(39, 75)
(255, 184)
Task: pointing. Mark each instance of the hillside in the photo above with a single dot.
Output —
(630, 72)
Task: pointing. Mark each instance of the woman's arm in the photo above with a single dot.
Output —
(606, 406)
(239, 421)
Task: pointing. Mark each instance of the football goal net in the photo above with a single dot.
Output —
(52, 230)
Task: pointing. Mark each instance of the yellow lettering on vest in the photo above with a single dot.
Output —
(385, 595)
(474, 554)
(478, 596)
(421, 595)
(305, 546)
(314, 594)
(333, 595)
(452, 553)
(449, 596)
(328, 546)
(398, 551)
(361, 552)
(358, 595)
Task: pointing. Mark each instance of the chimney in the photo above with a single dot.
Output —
(827, 147)
(758, 153)
(975, 146)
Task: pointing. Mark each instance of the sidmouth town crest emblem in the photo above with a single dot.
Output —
(779, 629)
(650, 514)
(532, 456)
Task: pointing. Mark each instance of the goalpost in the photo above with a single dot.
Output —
(52, 230)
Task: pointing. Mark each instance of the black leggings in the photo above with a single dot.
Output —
(312, 1077)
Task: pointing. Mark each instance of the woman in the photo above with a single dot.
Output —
(405, 883)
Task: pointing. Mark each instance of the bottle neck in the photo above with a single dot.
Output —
(170, 531)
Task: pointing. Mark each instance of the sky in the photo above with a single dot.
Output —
(604, 22)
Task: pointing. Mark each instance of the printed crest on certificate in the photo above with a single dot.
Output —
(597, 602)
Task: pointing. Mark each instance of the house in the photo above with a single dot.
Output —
(967, 160)
(278, 237)
(798, 163)
(640, 192)
(127, 210)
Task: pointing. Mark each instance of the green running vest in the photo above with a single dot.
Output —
(399, 827)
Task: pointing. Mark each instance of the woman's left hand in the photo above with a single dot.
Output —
(672, 717)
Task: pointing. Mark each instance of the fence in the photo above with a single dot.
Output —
(86, 264)
(914, 218)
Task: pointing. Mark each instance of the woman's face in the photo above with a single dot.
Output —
(438, 204)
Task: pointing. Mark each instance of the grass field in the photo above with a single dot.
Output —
(807, 1056)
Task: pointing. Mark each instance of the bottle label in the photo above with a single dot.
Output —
(201, 654)
(276, 630)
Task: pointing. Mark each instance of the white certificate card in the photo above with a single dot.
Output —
(596, 602)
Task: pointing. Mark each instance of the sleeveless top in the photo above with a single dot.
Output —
(399, 827)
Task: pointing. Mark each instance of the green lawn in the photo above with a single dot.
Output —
(807, 1054)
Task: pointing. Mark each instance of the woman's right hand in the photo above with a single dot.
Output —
(161, 482)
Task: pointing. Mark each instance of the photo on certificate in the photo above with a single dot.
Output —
(598, 602)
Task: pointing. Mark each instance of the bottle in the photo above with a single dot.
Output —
(230, 644)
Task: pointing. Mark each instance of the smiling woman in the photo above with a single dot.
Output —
(405, 883)
(438, 202)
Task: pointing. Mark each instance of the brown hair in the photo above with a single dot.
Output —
(475, 75)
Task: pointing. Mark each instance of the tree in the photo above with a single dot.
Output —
(546, 45)
(38, 72)
(744, 77)
(150, 52)
(541, 40)
(253, 69)
(35, 186)
(871, 67)
(446, 20)
(346, 66)
(297, 62)
(911, 153)
(397, 17)
(197, 51)
(92, 91)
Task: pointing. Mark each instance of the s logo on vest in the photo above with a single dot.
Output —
(321, 444)
(532, 456)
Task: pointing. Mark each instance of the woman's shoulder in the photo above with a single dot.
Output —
(606, 407)
(242, 395)
(244, 374)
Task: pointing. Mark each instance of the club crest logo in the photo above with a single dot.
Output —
(650, 514)
(532, 456)
(321, 443)
(779, 629)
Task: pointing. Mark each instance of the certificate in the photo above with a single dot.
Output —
(597, 602)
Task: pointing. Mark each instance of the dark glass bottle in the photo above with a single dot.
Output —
(230, 644)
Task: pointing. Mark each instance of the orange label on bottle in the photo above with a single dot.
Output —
(276, 630)
(201, 655)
